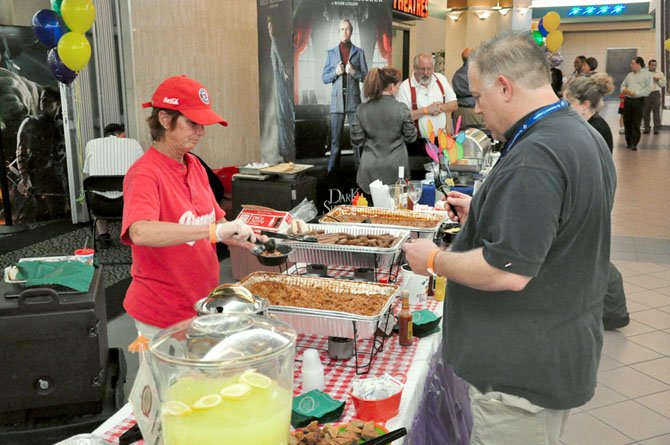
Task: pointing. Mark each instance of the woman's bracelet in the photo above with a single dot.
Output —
(212, 233)
(430, 264)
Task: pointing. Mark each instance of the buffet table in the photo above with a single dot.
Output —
(413, 361)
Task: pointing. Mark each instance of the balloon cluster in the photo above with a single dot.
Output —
(62, 29)
(667, 44)
(547, 32)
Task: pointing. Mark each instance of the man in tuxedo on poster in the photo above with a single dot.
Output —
(345, 67)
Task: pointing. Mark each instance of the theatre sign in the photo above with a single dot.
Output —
(415, 8)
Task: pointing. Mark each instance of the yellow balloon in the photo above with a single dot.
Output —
(554, 40)
(78, 14)
(667, 44)
(550, 21)
(74, 50)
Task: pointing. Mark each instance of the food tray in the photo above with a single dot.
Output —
(354, 256)
(413, 221)
(327, 323)
(279, 170)
(253, 168)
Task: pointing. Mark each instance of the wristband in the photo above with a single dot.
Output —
(212, 233)
(430, 264)
(425, 110)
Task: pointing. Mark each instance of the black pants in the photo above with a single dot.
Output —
(652, 106)
(633, 110)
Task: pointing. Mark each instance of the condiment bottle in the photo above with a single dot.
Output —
(312, 371)
(440, 288)
(400, 189)
(362, 201)
(405, 336)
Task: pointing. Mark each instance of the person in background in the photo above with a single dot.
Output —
(428, 95)
(466, 103)
(382, 128)
(345, 67)
(529, 268)
(110, 155)
(622, 96)
(586, 97)
(579, 61)
(589, 67)
(170, 216)
(653, 103)
(636, 86)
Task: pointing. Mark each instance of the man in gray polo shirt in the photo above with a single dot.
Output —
(528, 271)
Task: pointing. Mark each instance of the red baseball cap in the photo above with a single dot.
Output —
(187, 96)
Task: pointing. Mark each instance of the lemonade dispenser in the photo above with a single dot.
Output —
(225, 379)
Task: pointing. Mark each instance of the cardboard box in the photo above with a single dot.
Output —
(265, 219)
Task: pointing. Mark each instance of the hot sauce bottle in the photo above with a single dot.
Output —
(405, 322)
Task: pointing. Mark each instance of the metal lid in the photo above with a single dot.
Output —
(223, 340)
(231, 298)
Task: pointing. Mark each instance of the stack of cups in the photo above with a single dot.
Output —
(312, 371)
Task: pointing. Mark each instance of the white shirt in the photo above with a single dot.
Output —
(425, 97)
(111, 156)
(657, 83)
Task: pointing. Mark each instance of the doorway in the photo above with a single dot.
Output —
(400, 50)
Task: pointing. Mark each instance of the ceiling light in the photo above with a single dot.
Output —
(522, 11)
(454, 15)
(504, 11)
(483, 14)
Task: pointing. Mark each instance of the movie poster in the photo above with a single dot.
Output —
(32, 129)
(275, 63)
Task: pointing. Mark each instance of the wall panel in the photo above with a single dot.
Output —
(214, 42)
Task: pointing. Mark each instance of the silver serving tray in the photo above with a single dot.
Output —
(433, 221)
(327, 323)
(355, 256)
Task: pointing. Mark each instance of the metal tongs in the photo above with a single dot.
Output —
(387, 438)
(305, 239)
(441, 185)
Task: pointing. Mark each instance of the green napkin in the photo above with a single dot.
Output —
(73, 274)
(315, 405)
(425, 323)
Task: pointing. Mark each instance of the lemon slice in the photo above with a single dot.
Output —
(208, 401)
(235, 392)
(256, 379)
(176, 408)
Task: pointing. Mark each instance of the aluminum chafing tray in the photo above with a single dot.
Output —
(354, 256)
(327, 323)
(408, 219)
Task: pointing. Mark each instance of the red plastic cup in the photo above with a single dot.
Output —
(85, 255)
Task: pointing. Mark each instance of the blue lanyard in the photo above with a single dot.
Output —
(539, 114)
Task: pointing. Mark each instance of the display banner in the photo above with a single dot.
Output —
(32, 129)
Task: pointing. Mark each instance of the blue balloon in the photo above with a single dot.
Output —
(61, 72)
(540, 27)
(49, 27)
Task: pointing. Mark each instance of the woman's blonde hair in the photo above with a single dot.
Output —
(593, 89)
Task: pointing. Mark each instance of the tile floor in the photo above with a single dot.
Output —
(632, 400)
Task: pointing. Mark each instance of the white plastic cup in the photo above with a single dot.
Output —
(416, 285)
(85, 255)
(312, 371)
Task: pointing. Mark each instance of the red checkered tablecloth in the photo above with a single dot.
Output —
(339, 375)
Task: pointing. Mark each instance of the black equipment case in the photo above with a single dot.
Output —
(54, 349)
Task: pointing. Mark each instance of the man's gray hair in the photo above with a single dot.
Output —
(351, 27)
(514, 55)
(429, 56)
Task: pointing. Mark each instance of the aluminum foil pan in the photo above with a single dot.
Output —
(327, 323)
(390, 219)
(354, 256)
